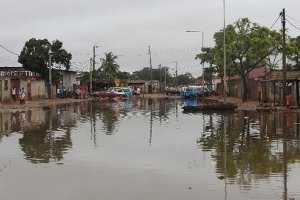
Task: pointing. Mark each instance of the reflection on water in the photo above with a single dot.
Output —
(254, 155)
(257, 145)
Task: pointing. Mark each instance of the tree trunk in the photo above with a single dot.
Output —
(245, 87)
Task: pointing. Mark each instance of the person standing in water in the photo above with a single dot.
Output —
(14, 93)
(23, 95)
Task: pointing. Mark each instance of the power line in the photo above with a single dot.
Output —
(292, 18)
(292, 24)
(275, 21)
(8, 50)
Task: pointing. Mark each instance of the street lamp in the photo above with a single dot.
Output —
(50, 76)
(92, 69)
(176, 74)
(151, 81)
(189, 31)
(91, 76)
(224, 46)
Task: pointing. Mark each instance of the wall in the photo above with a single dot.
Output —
(69, 79)
(5, 89)
(38, 90)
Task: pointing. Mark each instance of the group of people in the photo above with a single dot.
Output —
(22, 94)
(61, 92)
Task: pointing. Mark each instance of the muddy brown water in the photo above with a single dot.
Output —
(148, 149)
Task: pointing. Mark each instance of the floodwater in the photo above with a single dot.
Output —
(148, 149)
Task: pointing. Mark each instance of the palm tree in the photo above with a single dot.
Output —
(108, 65)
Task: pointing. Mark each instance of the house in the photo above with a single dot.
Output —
(274, 85)
(138, 84)
(264, 84)
(20, 78)
(235, 84)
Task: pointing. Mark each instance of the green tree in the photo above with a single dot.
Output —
(248, 46)
(122, 75)
(84, 76)
(294, 53)
(35, 56)
(109, 66)
(185, 79)
(157, 74)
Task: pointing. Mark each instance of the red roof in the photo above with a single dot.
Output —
(259, 72)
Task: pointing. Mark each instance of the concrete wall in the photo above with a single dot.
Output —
(35, 89)
(69, 79)
(5, 86)
(38, 89)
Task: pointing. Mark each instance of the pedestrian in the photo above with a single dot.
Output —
(138, 90)
(23, 95)
(288, 99)
(13, 93)
(57, 92)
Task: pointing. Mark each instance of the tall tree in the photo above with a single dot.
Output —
(248, 46)
(109, 66)
(35, 56)
(294, 53)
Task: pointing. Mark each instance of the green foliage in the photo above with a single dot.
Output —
(157, 74)
(109, 67)
(293, 48)
(185, 79)
(143, 74)
(35, 56)
(122, 75)
(161, 74)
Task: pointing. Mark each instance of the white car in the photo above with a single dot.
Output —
(113, 89)
(125, 92)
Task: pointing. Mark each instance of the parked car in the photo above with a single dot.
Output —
(114, 89)
(187, 92)
(124, 92)
(172, 91)
(107, 94)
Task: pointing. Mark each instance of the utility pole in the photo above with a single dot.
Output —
(91, 75)
(160, 77)
(94, 56)
(94, 52)
(151, 81)
(203, 80)
(283, 56)
(50, 75)
(265, 99)
(176, 75)
(165, 77)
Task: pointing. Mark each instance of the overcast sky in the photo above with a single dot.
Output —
(127, 27)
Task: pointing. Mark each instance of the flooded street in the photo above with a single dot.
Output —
(148, 149)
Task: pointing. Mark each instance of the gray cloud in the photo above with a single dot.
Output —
(128, 27)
